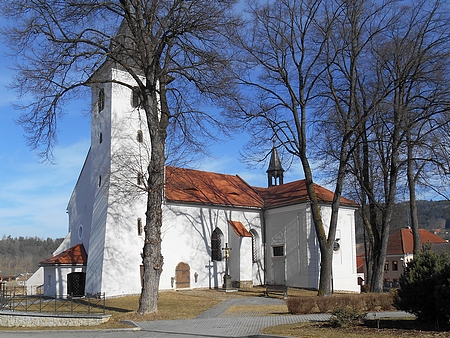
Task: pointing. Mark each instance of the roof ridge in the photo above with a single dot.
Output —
(253, 189)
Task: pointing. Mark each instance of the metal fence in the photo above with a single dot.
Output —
(22, 299)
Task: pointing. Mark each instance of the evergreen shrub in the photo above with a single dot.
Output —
(346, 316)
(425, 287)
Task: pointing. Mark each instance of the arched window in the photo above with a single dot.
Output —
(255, 250)
(101, 100)
(140, 178)
(216, 245)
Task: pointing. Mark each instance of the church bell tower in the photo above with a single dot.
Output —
(275, 171)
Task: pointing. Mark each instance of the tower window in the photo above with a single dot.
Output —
(140, 136)
(139, 226)
(136, 97)
(100, 137)
(140, 179)
(101, 100)
(99, 181)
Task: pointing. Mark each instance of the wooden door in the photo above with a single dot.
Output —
(183, 276)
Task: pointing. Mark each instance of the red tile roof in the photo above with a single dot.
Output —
(195, 186)
(76, 255)
(295, 192)
(240, 229)
(401, 242)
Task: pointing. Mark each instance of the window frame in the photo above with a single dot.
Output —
(101, 100)
(216, 245)
(276, 250)
(136, 100)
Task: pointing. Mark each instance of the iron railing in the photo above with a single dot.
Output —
(23, 299)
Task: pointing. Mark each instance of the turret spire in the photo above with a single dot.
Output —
(275, 171)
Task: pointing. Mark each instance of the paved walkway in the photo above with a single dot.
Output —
(216, 322)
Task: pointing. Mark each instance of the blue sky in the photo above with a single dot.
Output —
(34, 195)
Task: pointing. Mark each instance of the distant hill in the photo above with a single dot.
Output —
(23, 254)
(433, 216)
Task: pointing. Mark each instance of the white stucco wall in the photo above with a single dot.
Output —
(292, 228)
(345, 277)
(55, 279)
(187, 238)
(35, 281)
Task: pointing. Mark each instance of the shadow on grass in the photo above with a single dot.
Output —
(406, 324)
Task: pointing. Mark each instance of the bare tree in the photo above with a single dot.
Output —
(424, 53)
(172, 49)
(402, 90)
(409, 60)
(352, 95)
(289, 48)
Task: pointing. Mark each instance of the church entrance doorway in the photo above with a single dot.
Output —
(278, 265)
(278, 271)
(183, 276)
(75, 284)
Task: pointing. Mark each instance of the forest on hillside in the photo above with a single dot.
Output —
(23, 254)
(433, 216)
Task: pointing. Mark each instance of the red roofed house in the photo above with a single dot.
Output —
(269, 230)
(400, 251)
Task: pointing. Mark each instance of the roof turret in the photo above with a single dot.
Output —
(275, 171)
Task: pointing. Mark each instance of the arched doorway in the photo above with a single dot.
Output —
(183, 276)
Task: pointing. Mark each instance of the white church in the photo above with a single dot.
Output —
(269, 230)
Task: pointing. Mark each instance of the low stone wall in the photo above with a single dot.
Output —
(32, 319)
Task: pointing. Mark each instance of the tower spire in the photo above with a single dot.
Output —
(275, 171)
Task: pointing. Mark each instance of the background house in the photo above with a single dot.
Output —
(400, 252)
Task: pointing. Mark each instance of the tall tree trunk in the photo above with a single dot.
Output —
(390, 186)
(156, 111)
(412, 195)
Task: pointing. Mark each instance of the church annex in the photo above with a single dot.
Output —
(269, 230)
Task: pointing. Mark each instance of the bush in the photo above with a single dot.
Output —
(301, 305)
(425, 287)
(361, 302)
(346, 316)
